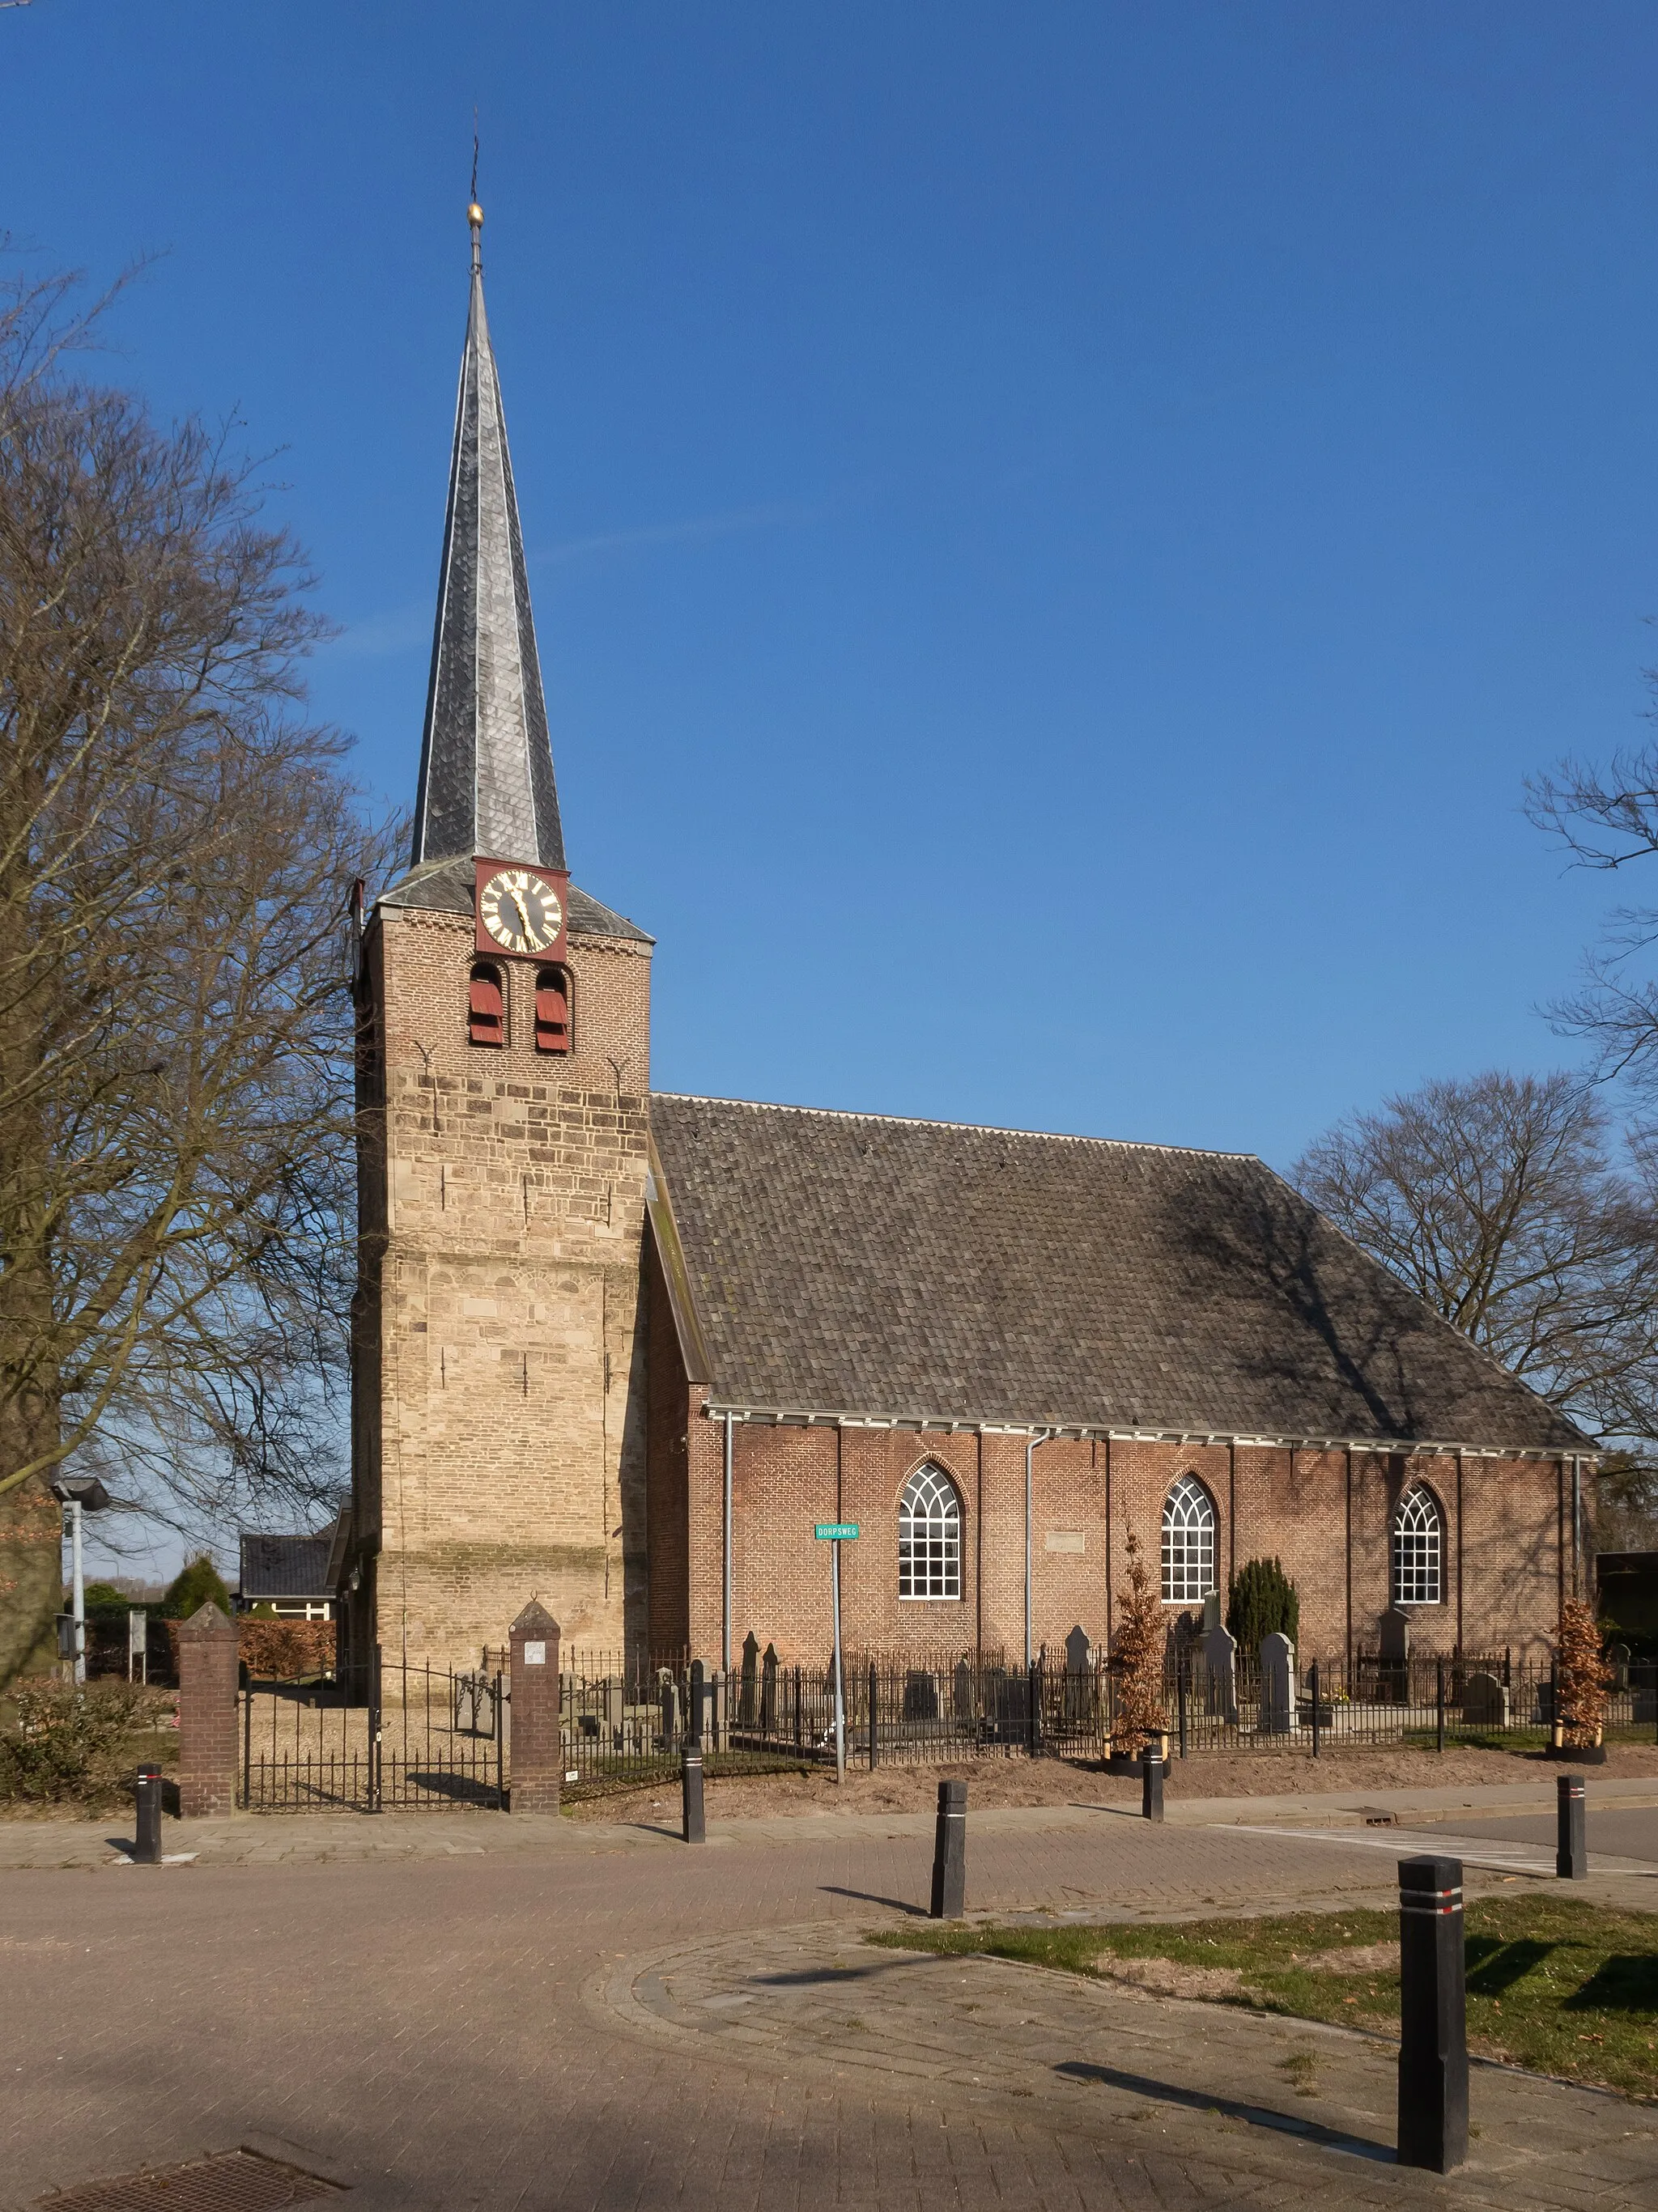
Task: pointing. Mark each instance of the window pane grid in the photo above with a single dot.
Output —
(929, 1537)
(1188, 1543)
(1416, 1551)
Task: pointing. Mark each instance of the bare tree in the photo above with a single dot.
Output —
(1495, 1199)
(177, 846)
(1610, 821)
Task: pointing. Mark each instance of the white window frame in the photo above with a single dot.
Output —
(1416, 1562)
(1190, 1528)
(929, 1541)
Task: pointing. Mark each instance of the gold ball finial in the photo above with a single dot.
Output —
(475, 215)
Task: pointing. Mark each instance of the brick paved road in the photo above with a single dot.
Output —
(439, 2027)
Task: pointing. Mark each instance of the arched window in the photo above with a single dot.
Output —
(1188, 1543)
(929, 1536)
(1419, 1549)
(551, 1009)
(486, 1006)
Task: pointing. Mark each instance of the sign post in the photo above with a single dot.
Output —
(835, 1534)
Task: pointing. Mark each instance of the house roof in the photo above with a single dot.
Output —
(286, 1566)
(448, 887)
(856, 1265)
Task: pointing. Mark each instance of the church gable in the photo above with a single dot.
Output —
(852, 1264)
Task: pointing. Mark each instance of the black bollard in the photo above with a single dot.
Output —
(1151, 1782)
(690, 1783)
(1571, 1855)
(1433, 2050)
(147, 1851)
(950, 1853)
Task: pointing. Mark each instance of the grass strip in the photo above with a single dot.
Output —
(1554, 1985)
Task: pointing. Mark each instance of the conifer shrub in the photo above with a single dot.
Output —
(1262, 1601)
(194, 1586)
(1582, 1673)
(1138, 1650)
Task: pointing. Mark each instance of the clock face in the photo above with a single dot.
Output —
(520, 910)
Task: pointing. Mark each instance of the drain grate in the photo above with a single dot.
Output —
(237, 2181)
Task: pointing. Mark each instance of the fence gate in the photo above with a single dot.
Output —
(374, 1737)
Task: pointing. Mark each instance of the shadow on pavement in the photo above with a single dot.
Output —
(1231, 2108)
(868, 1897)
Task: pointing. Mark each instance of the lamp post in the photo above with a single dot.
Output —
(79, 1494)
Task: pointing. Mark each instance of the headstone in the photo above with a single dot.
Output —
(1395, 1634)
(769, 1692)
(963, 1691)
(1278, 1714)
(1484, 1702)
(1211, 1613)
(920, 1696)
(1220, 1652)
(748, 1697)
(615, 1707)
(1079, 1676)
(1617, 1660)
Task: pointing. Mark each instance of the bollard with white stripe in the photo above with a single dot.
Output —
(692, 1827)
(950, 1853)
(1433, 2050)
(1571, 1856)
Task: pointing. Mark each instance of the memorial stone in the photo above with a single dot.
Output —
(1278, 1714)
(1219, 1652)
(1484, 1702)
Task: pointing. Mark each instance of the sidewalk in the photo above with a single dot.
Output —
(269, 1838)
(1297, 2113)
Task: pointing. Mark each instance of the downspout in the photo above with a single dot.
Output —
(725, 1594)
(1037, 1437)
(1576, 1525)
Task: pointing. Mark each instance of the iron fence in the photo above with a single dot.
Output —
(403, 1735)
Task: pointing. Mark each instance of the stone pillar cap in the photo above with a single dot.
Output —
(207, 1620)
(535, 1623)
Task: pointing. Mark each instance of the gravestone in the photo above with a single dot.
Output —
(1211, 1613)
(1079, 1675)
(769, 1692)
(748, 1698)
(963, 1690)
(670, 1696)
(920, 1697)
(615, 1709)
(1278, 1714)
(1617, 1660)
(1484, 1702)
(1220, 1652)
(1395, 1634)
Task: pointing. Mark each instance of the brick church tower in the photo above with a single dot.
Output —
(504, 1020)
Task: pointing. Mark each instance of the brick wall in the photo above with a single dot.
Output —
(208, 1746)
(1086, 1498)
(499, 1417)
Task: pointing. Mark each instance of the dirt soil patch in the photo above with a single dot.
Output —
(994, 1782)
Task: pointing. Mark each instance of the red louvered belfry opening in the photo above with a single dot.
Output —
(487, 1011)
(552, 1011)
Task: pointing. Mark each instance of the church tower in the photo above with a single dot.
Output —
(504, 1027)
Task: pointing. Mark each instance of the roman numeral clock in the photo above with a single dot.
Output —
(522, 911)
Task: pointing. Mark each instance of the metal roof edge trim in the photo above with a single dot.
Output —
(1085, 1431)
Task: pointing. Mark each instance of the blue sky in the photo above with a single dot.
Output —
(1056, 531)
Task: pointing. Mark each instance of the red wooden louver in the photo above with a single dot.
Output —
(552, 1012)
(487, 1014)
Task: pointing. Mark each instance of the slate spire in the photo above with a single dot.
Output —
(487, 781)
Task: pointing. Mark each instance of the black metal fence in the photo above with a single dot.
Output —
(399, 1736)
(374, 1738)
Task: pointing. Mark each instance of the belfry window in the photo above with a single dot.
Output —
(1419, 1549)
(930, 1535)
(486, 1006)
(552, 1027)
(1188, 1543)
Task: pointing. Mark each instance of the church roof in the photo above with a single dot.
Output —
(486, 780)
(447, 887)
(853, 1264)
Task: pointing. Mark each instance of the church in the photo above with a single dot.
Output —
(624, 1350)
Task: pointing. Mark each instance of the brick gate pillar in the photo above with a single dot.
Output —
(538, 1750)
(207, 1715)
